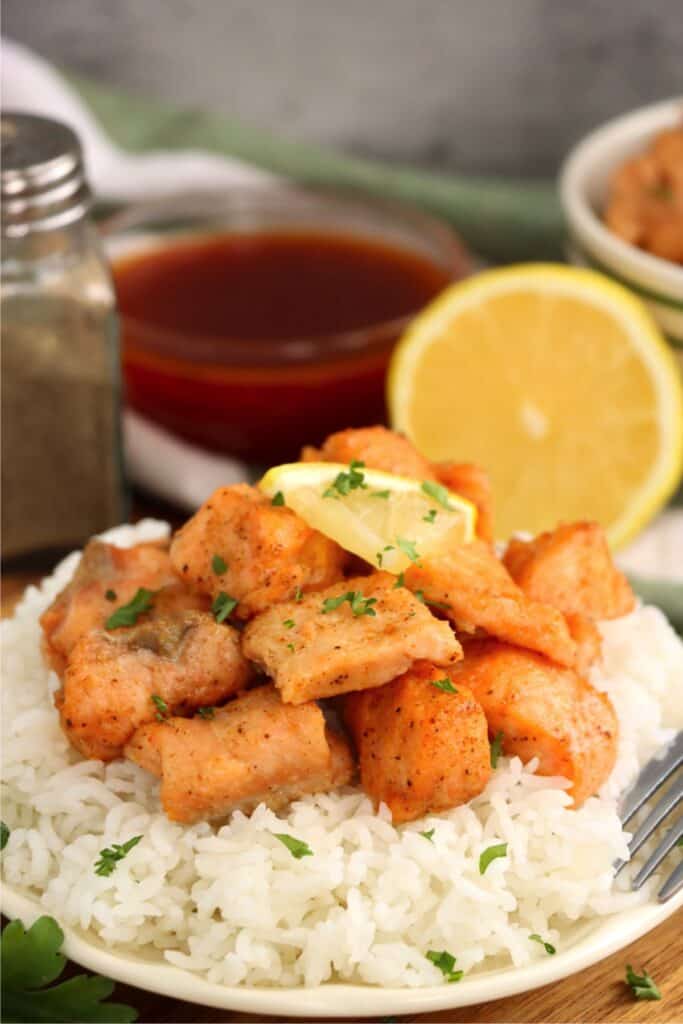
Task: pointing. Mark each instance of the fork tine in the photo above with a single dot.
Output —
(671, 799)
(651, 777)
(653, 862)
(673, 883)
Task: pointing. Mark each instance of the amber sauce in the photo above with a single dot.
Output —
(233, 341)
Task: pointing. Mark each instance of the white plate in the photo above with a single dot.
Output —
(592, 942)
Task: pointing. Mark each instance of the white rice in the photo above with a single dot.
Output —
(233, 905)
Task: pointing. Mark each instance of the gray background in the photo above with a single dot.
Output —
(487, 86)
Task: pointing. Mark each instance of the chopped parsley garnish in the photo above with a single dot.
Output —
(428, 835)
(289, 623)
(127, 614)
(110, 856)
(290, 647)
(161, 706)
(445, 962)
(437, 492)
(278, 499)
(420, 595)
(491, 853)
(380, 494)
(296, 847)
(642, 985)
(444, 684)
(380, 554)
(400, 581)
(31, 960)
(223, 605)
(550, 949)
(206, 713)
(345, 482)
(298, 594)
(430, 517)
(436, 604)
(110, 595)
(219, 565)
(408, 548)
(496, 748)
(4, 835)
(359, 605)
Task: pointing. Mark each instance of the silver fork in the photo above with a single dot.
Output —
(654, 774)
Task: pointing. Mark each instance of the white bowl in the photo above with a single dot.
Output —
(584, 180)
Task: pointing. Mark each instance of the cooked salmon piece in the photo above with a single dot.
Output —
(587, 638)
(572, 569)
(353, 636)
(269, 553)
(476, 592)
(254, 750)
(473, 483)
(543, 711)
(106, 578)
(116, 681)
(377, 448)
(422, 748)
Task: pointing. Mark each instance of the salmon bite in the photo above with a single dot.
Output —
(158, 645)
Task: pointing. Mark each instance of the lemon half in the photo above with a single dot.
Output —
(387, 520)
(557, 381)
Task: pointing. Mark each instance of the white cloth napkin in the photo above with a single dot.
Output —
(157, 460)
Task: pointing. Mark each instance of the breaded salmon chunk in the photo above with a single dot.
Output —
(377, 448)
(422, 742)
(353, 636)
(572, 569)
(106, 578)
(254, 750)
(476, 592)
(116, 681)
(473, 483)
(543, 711)
(242, 545)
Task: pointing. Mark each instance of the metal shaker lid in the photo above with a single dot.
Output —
(42, 181)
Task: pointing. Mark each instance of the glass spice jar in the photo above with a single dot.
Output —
(62, 477)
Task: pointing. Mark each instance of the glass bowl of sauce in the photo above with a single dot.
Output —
(263, 316)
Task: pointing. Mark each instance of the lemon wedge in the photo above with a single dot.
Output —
(557, 381)
(387, 520)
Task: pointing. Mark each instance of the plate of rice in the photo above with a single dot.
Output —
(223, 915)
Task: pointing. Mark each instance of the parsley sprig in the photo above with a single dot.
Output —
(345, 482)
(111, 855)
(359, 605)
(443, 684)
(219, 565)
(492, 853)
(31, 960)
(127, 614)
(429, 834)
(223, 605)
(550, 949)
(496, 748)
(4, 835)
(206, 713)
(296, 847)
(445, 961)
(642, 985)
(437, 492)
(161, 707)
(408, 548)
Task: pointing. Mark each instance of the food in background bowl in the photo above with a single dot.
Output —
(645, 204)
(584, 188)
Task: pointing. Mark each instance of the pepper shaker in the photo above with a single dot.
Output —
(62, 475)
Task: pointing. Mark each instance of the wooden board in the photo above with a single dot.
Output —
(596, 994)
